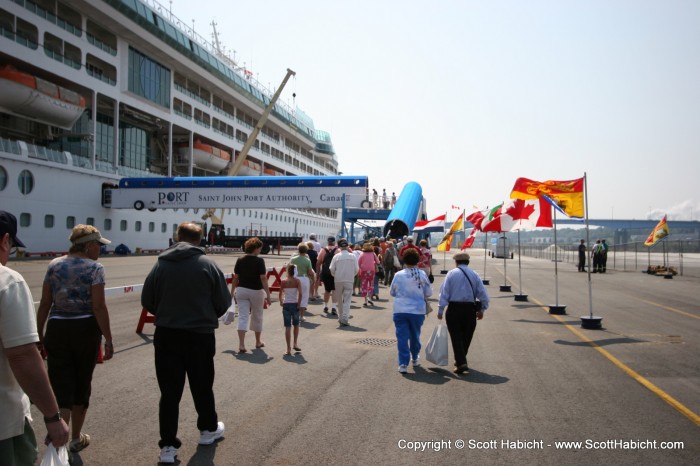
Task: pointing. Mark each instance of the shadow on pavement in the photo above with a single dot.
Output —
(611, 341)
(258, 356)
(204, 456)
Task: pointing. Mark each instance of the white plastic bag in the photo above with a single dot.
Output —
(230, 315)
(52, 457)
(436, 349)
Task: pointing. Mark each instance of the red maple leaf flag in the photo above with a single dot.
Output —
(518, 214)
(470, 239)
(475, 219)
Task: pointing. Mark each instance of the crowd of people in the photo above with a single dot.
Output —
(187, 293)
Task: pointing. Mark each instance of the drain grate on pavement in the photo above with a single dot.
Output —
(376, 342)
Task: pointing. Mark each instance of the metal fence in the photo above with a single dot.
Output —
(682, 255)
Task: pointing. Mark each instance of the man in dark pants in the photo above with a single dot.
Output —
(582, 256)
(187, 293)
(459, 294)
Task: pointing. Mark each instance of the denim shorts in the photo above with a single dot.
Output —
(290, 312)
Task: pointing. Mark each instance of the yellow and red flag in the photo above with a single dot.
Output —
(447, 239)
(568, 195)
(660, 231)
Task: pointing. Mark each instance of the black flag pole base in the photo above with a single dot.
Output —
(485, 281)
(668, 276)
(520, 297)
(504, 288)
(558, 309)
(591, 322)
(443, 272)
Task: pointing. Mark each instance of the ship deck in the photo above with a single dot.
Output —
(535, 377)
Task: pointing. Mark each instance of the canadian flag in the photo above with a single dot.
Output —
(518, 214)
(470, 239)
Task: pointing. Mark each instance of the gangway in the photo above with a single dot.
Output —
(399, 220)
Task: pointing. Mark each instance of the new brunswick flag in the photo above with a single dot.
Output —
(568, 195)
(660, 231)
(447, 239)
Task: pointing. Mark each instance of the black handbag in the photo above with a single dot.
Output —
(380, 272)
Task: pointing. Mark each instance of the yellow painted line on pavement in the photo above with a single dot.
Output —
(677, 405)
(688, 314)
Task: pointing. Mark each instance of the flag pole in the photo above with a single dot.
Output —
(485, 280)
(590, 321)
(444, 251)
(505, 286)
(521, 296)
(556, 308)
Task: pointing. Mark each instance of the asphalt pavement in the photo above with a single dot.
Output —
(541, 389)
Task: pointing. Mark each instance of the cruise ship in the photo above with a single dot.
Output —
(93, 91)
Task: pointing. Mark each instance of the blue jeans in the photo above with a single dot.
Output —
(290, 314)
(376, 285)
(408, 335)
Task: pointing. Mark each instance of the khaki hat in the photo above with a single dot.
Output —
(95, 236)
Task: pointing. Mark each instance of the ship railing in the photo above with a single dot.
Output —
(81, 161)
(189, 31)
(43, 153)
(10, 146)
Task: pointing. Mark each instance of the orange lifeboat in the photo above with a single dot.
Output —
(205, 156)
(26, 95)
(271, 172)
(250, 168)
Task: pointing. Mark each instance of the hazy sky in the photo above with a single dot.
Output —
(464, 97)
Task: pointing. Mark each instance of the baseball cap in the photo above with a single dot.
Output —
(343, 243)
(331, 239)
(8, 224)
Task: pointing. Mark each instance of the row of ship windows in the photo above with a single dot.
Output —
(71, 20)
(25, 221)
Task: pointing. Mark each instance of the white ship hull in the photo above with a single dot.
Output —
(62, 195)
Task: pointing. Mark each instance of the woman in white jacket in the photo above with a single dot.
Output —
(410, 289)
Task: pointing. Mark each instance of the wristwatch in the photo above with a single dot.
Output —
(55, 418)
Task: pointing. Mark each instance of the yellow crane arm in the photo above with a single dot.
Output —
(236, 167)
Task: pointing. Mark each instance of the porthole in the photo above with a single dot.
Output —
(25, 182)
(3, 178)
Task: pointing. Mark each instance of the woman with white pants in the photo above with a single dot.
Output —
(249, 286)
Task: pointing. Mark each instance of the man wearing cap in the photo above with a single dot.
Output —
(344, 267)
(323, 274)
(21, 367)
(465, 299)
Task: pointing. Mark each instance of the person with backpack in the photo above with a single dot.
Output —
(324, 275)
(389, 268)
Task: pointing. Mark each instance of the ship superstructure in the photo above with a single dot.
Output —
(92, 91)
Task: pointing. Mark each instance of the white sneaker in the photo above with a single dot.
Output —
(416, 362)
(168, 454)
(207, 438)
(403, 368)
